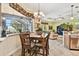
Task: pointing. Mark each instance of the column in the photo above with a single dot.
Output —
(0, 21)
(0, 16)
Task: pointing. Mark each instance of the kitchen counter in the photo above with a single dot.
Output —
(71, 40)
(9, 44)
(2, 39)
(8, 35)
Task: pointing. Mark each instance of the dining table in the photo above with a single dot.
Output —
(34, 37)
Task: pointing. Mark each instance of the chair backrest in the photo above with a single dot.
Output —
(47, 38)
(25, 38)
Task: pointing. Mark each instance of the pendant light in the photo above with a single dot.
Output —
(38, 13)
(72, 17)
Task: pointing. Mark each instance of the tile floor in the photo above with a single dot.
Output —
(56, 49)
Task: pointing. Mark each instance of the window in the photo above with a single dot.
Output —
(14, 24)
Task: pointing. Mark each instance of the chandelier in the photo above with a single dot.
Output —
(39, 13)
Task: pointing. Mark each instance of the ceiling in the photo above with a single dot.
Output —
(52, 10)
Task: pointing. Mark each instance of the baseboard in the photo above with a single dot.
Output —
(13, 51)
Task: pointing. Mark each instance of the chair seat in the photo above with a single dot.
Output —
(40, 45)
(27, 44)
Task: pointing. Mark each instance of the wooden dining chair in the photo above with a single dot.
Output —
(25, 42)
(47, 44)
(44, 45)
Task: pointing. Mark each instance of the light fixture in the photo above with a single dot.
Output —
(39, 14)
(77, 7)
(72, 17)
(60, 17)
(3, 18)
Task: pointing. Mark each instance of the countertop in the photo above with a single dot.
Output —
(8, 35)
